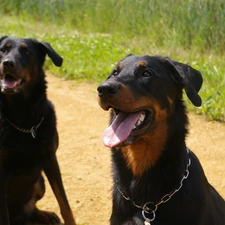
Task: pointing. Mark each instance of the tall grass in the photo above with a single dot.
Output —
(186, 23)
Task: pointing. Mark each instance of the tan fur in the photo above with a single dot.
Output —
(120, 64)
(23, 45)
(141, 63)
(8, 44)
(146, 151)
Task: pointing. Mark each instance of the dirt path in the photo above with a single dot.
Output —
(85, 162)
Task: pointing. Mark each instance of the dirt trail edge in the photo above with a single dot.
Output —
(85, 163)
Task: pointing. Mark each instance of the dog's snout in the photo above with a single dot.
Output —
(108, 89)
(8, 63)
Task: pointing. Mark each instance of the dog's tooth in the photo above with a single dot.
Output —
(142, 117)
(138, 123)
(140, 120)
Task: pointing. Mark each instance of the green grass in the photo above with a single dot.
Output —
(92, 35)
(186, 23)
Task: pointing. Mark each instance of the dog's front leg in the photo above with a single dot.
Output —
(4, 216)
(52, 172)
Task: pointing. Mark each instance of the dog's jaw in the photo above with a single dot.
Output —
(10, 85)
(126, 127)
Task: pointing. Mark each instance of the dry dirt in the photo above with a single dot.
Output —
(85, 163)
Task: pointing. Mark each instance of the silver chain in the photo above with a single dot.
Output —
(146, 208)
(32, 130)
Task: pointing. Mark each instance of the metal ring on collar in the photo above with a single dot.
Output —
(148, 219)
(148, 209)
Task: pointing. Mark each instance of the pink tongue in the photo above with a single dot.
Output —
(120, 129)
(10, 83)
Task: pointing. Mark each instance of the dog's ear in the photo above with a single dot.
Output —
(55, 57)
(129, 55)
(189, 79)
(2, 38)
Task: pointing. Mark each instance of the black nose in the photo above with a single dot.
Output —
(8, 63)
(108, 89)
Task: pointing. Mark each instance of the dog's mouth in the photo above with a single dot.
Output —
(126, 127)
(10, 84)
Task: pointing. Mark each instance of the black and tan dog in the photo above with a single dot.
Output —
(28, 135)
(157, 180)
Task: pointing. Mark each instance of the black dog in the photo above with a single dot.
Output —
(28, 135)
(157, 180)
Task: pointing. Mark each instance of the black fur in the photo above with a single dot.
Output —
(24, 104)
(160, 80)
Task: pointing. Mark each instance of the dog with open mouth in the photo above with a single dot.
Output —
(157, 179)
(28, 134)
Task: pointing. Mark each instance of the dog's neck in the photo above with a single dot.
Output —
(146, 160)
(165, 175)
(145, 152)
(159, 158)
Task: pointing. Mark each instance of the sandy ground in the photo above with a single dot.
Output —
(85, 163)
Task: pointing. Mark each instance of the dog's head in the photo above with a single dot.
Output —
(21, 60)
(143, 92)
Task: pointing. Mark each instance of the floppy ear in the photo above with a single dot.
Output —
(189, 79)
(55, 57)
(2, 38)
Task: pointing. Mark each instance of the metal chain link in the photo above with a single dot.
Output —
(32, 130)
(146, 207)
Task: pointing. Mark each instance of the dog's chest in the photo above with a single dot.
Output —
(19, 153)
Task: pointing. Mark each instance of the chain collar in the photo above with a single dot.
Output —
(32, 130)
(151, 207)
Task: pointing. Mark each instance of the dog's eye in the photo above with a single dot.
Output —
(147, 74)
(2, 49)
(26, 51)
(115, 73)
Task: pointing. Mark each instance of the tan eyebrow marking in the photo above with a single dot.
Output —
(23, 45)
(141, 63)
(8, 44)
(120, 64)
